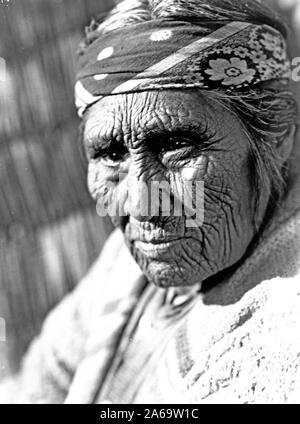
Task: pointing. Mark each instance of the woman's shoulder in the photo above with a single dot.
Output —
(250, 350)
(112, 278)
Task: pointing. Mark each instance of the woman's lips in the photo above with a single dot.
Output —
(152, 233)
(156, 248)
(150, 242)
(157, 242)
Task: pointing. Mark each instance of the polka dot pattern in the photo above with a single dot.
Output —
(162, 35)
(105, 53)
(100, 77)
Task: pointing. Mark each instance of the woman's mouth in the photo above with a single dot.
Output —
(159, 249)
(152, 235)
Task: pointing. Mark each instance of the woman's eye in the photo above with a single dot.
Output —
(112, 159)
(112, 155)
(172, 144)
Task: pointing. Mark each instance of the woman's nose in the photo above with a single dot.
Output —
(139, 179)
(138, 203)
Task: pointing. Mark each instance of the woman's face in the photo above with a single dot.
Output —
(197, 152)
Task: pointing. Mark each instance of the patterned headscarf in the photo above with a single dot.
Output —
(164, 54)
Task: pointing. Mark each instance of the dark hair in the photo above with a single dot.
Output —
(267, 111)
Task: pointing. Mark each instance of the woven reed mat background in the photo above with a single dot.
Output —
(49, 231)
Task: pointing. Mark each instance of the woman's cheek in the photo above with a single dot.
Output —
(98, 183)
(189, 174)
(93, 181)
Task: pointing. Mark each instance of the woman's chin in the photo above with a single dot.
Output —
(163, 268)
(169, 275)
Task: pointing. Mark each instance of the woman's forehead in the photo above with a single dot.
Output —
(147, 110)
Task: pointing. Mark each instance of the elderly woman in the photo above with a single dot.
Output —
(198, 306)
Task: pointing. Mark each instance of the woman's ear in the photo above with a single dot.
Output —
(285, 143)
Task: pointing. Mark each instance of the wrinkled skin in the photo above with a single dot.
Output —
(158, 136)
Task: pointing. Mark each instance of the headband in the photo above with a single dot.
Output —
(168, 54)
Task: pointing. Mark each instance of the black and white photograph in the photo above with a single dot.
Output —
(149, 205)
